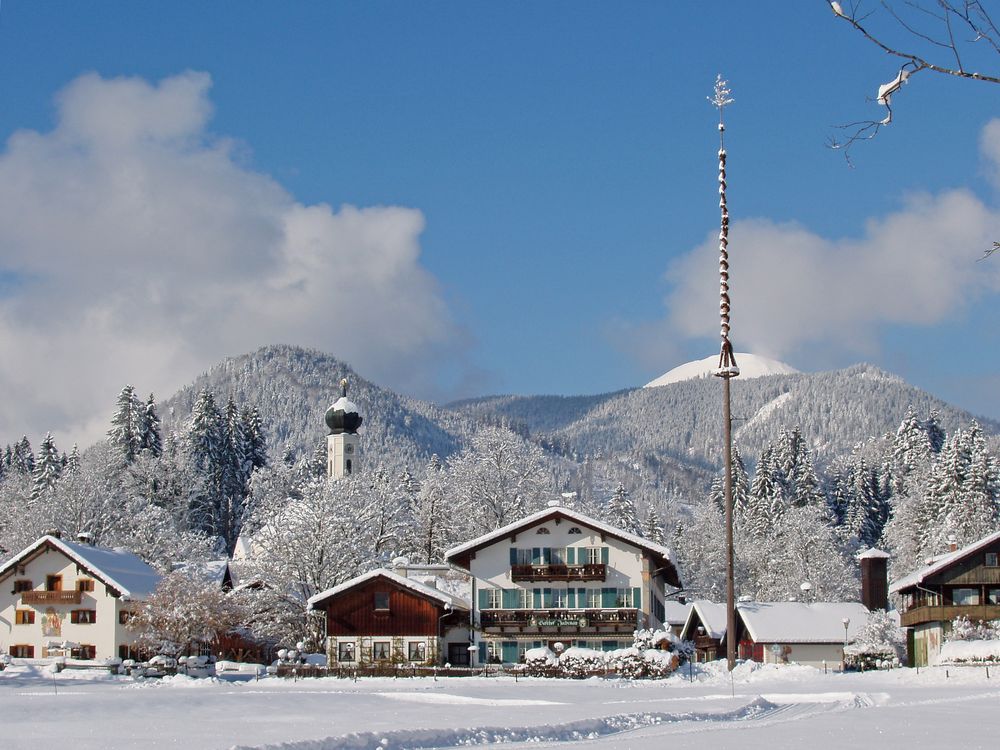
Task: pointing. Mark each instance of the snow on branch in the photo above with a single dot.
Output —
(944, 34)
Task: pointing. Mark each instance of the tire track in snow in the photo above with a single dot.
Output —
(759, 710)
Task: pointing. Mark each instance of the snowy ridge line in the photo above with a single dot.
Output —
(765, 411)
(575, 731)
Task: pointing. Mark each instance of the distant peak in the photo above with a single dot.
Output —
(751, 366)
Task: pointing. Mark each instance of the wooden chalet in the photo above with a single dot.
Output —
(963, 582)
(386, 616)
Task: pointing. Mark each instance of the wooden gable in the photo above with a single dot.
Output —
(970, 569)
(382, 607)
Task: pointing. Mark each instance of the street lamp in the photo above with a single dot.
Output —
(805, 587)
(843, 663)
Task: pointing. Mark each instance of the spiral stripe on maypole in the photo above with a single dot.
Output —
(727, 360)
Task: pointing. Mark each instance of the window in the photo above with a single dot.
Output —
(524, 556)
(965, 597)
(125, 617)
(593, 555)
(624, 598)
(524, 599)
(992, 560)
(348, 467)
(381, 600)
(543, 530)
(22, 652)
(993, 596)
(345, 651)
(380, 650)
(84, 584)
(574, 531)
(557, 556)
(417, 651)
(594, 598)
(494, 654)
(560, 598)
(83, 616)
(24, 617)
(493, 599)
(83, 651)
(53, 583)
(22, 585)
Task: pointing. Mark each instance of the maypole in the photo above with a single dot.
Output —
(727, 370)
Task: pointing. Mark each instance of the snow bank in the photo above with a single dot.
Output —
(969, 652)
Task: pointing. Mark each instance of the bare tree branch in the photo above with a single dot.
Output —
(970, 15)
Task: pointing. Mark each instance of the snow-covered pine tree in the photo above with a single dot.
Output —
(206, 451)
(73, 460)
(48, 468)
(149, 432)
(765, 504)
(127, 423)
(935, 433)
(22, 457)
(653, 529)
(621, 511)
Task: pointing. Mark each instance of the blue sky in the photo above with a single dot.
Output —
(556, 164)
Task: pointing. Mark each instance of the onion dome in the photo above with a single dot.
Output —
(342, 416)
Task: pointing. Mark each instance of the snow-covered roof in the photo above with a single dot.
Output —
(428, 591)
(937, 564)
(551, 512)
(712, 617)
(120, 569)
(345, 405)
(802, 622)
(675, 613)
(210, 571)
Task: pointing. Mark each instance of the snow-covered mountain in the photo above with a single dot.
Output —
(664, 437)
(751, 366)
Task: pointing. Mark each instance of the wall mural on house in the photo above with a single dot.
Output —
(51, 624)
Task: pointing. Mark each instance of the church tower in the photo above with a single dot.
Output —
(342, 443)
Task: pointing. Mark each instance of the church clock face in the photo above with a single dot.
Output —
(348, 448)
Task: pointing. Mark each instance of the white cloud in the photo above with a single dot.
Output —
(144, 252)
(794, 290)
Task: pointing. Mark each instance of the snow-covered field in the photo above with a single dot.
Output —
(768, 708)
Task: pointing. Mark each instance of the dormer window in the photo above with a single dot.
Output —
(992, 560)
(543, 530)
(574, 530)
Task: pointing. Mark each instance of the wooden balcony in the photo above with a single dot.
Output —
(587, 572)
(50, 597)
(975, 612)
(559, 620)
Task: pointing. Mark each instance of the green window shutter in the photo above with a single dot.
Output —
(609, 645)
(637, 598)
(509, 598)
(536, 555)
(536, 598)
(484, 602)
(609, 598)
(508, 652)
(546, 555)
(547, 598)
(571, 555)
(572, 598)
(536, 644)
(581, 598)
(513, 555)
(482, 652)
(604, 555)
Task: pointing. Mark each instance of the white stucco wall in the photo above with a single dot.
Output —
(807, 654)
(106, 634)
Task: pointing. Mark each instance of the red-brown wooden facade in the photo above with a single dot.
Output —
(353, 612)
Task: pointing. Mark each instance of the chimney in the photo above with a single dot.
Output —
(84, 538)
(952, 543)
(400, 566)
(874, 579)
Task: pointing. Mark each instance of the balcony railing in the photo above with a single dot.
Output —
(50, 597)
(519, 619)
(559, 572)
(974, 612)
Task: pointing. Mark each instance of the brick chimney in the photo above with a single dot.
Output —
(874, 579)
(952, 543)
